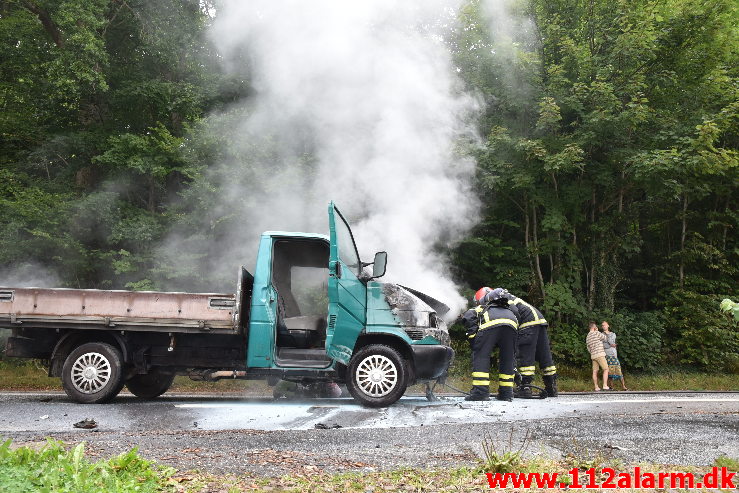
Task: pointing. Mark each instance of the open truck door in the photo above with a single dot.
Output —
(347, 295)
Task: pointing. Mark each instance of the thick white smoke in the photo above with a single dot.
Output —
(358, 103)
(29, 274)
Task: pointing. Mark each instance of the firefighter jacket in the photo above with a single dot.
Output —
(528, 314)
(470, 322)
(489, 317)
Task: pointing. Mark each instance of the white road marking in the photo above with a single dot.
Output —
(647, 401)
(216, 405)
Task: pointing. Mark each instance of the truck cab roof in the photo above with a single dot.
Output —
(295, 234)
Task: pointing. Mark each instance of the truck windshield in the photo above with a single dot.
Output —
(347, 249)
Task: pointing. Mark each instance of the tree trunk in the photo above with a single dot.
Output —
(726, 227)
(593, 259)
(535, 235)
(682, 239)
(151, 202)
(555, 260)
(49, 25)
(591, 28)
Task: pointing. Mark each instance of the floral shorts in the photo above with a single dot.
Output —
(614, 367)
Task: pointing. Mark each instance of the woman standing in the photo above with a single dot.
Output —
(614, 367)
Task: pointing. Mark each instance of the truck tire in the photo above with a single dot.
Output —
(93, 373)
(377, 376)
(150, 385)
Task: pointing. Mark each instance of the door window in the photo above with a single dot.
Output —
(347, 248)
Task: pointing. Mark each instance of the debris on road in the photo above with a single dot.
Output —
(86, 424)
(614, 447)
(322, 426)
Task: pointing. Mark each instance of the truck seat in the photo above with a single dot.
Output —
(301, 332)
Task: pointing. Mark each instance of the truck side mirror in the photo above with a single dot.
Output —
(380, 264)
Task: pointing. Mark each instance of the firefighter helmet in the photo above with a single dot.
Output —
(496, 296)
(506, 293)
(480, 294)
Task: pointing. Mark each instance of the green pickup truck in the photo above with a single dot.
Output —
(311, 313)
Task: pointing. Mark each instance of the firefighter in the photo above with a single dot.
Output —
(491, 324)
(532, 345)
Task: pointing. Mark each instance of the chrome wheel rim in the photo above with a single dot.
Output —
(91, 373)
(376, 375)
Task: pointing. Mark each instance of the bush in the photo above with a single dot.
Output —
(568, 344)
(703, 336)
(640, 337)
(461, 367)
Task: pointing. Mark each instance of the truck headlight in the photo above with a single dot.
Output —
(436, 328)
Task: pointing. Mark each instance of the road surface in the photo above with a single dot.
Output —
(237, 434)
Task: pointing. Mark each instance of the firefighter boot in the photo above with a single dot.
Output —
(505, 394)
(477, 395)
(523, 391)
(550, 384)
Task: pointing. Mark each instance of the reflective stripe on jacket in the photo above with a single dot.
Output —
(528, 314)
(496, 316)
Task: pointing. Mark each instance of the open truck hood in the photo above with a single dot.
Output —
(413, 309)
(437, 305)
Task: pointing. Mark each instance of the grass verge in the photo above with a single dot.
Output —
(454, 479)
(31, 375)
(54, 468)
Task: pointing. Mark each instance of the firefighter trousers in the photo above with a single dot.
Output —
(533, 346)
(504, 338)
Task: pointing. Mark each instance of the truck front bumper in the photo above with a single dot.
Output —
(431, 361)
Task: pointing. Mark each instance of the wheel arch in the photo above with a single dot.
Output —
(71, 340)
(391, 341)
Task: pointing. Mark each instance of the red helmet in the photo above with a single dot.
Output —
(480, 294)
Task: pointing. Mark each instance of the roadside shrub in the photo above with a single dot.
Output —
(568, 344)
(462, 354)
(640, 339)
(561, 302)
(703, 335)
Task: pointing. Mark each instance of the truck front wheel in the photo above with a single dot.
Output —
(92, 373)
(377, 376)
(150, 385)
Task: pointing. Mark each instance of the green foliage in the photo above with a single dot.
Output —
(702, 335)
(607, 174)
(727, 462)
(561, 298)
(568, 343)
(615, 153)
(730, 307)
(98, 99)
(640, 339)
(55, 469)
(502, 458)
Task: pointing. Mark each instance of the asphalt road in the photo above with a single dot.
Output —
(237, 434)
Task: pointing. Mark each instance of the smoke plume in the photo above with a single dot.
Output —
(30, 274)
(356, 103)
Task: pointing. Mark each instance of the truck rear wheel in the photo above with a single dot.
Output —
(150, 385)
(377, 376)
(92, 373)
